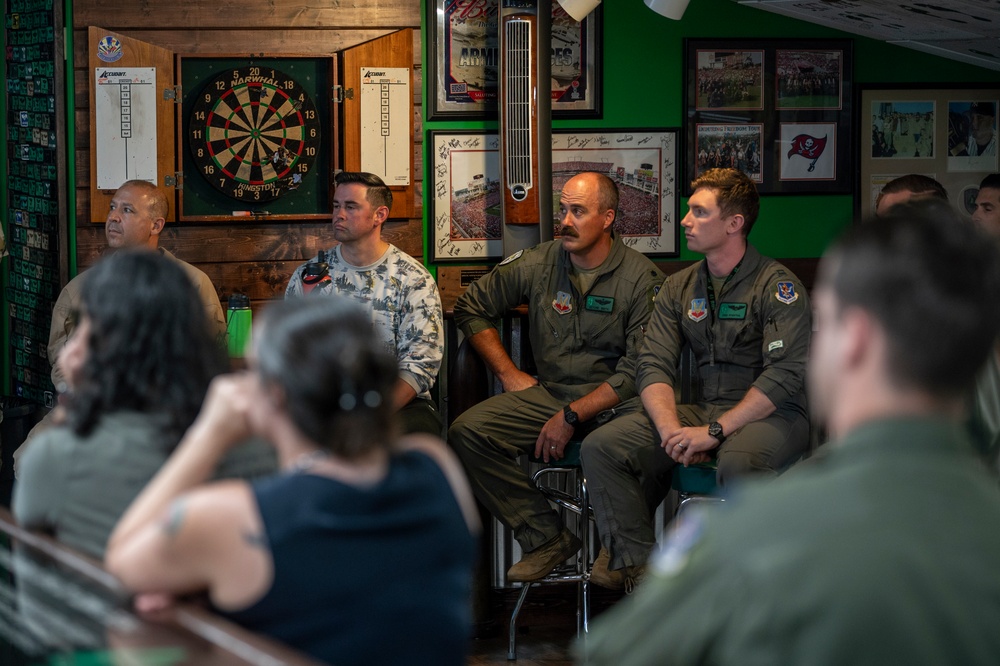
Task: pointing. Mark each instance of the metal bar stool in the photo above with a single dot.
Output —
(696, 484)
(579, 572)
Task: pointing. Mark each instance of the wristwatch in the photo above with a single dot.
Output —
(572, 418)
(715, 430)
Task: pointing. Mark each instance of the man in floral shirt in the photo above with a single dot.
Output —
(401, 294)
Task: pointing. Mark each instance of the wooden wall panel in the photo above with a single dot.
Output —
(259, 14)
(252, 258)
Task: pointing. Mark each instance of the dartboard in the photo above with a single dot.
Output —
(254, 133)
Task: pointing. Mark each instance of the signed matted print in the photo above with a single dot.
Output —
(464, 61)
(465, 201)
(643, 164)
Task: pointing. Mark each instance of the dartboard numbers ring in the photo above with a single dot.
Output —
(254, 133)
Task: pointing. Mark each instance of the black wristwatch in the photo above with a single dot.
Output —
(572, 418)
(715, 430)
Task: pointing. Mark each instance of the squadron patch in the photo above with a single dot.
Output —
(698, 310)
(511, 258)
(562, 303)
(786, 293)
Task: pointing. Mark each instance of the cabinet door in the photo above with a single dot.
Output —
(131, 119)
(378, 114)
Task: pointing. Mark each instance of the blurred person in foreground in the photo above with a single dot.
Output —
(359, 551)
(137, 367)
(882, 549)
(985, 417)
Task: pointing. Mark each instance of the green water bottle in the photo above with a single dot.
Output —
(239, 321)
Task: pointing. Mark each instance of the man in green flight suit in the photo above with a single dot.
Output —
(883, 548)
(588, 299)
(747, 320)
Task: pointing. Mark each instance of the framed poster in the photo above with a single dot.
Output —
(778, 110)
(945, 131)
(465, 197)
(643, 163)
(464, 61)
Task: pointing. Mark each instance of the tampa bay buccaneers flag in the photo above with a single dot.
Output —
(808, 147)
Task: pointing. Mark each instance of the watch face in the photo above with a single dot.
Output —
(715, 430)
(571, 417)
(254, 133)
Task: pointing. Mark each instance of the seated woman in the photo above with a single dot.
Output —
(138, 365)
(360, 551)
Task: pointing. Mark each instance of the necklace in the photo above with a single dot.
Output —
(306, 461)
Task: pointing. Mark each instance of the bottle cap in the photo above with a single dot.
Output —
(239, 302)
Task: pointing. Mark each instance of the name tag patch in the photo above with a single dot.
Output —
(733, 311)
(777, 344)
(600, 303)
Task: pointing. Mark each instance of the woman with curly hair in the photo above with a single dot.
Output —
(138, 366)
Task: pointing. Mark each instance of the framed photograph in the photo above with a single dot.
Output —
(777, 109)
(643, 163)
(465, 199)
(729, 79)
(463, 61)
(729, 145)
(945, 131)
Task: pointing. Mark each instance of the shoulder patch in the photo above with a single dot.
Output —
(513, 257)
(786, 292)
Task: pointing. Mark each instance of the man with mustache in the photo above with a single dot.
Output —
(747, 321)
(135, 219)
(588, 300)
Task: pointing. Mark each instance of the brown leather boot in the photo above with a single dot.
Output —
(620, 579)
(538, 563)
(601, 575)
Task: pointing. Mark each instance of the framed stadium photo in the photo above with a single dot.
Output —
(466, 223)
(463, 61)
(777, 109)
(942, 130)
(643, 163)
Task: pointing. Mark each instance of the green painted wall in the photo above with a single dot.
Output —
(644, 87)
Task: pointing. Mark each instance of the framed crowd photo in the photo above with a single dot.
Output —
(464, 61)
(465, 199)
(945, 131)
(643, 163)
(778, 110)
